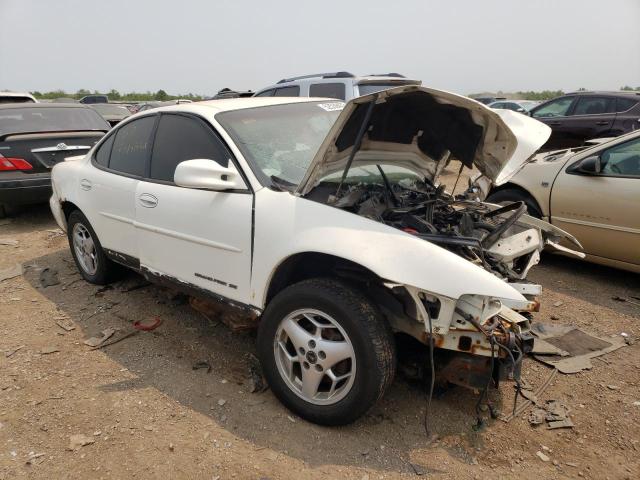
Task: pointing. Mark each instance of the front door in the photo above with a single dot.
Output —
(554, 114)
(199, 237)
(601, 210)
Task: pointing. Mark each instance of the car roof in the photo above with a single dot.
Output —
(43, 105)
(228, 104)
(604, 92)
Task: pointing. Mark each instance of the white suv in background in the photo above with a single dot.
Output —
(339, 85)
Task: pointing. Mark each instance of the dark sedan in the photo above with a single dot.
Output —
(581, 116)
(33, 138)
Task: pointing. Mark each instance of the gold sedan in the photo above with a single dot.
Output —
(591, 192)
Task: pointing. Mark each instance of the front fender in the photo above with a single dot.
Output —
(286, 225)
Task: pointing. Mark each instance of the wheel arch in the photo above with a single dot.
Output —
(305, 265)
(523, 191)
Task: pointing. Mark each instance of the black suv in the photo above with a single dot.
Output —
(581, 116)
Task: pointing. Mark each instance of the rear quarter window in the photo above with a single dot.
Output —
(132, 146)
(624, 104)
(104, 151)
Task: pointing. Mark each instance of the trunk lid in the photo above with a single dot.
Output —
(44, 150)
(423, 129)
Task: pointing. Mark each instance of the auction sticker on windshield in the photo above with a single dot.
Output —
(332, 107)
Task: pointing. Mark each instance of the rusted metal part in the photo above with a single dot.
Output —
(469, 371)
(233, 318)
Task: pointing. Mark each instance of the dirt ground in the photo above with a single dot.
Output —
(146, 413)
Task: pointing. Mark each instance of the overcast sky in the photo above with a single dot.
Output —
(200, 46)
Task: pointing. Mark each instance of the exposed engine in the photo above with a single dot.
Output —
(482, 234)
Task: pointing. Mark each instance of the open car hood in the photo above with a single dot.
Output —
(423, 129)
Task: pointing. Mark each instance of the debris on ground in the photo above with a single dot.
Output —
(65, 324)
(221, 402)
(117, 338)
(558, 304)
(96, 341)
(35, 458)
(530, 396)
(200, 365)
(574, 348)
(626, 300)
(10, 242)
(8, 353)
(542, 456)
(80, 440)
(257, 381)
(555, 413)
(49, 277)
(11, 272)
(147, 326)
(48, 350)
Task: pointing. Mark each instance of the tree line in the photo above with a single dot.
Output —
(116, 96)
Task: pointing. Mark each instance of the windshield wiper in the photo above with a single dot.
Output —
(282, 184)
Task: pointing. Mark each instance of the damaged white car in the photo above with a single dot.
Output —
(324, 224)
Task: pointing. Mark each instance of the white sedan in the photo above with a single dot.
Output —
(325, 223)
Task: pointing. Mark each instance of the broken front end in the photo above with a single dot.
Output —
(479, 339)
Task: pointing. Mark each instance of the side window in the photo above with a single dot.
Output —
(132, 146)
(624, 104)
(593, 106)
(266, 93)
(555, 108)
(103, 153)
(622, 160)
(181, 138)
(292, 91)
(329, 90)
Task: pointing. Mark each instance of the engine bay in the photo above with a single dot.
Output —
(476, 231)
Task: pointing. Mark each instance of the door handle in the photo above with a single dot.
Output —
(85, 184)
(602, 122)
(147, 200)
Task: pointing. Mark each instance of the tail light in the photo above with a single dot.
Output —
(7, 164)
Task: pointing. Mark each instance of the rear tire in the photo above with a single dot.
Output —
(510, 195)
(88, 255)
(326, 351)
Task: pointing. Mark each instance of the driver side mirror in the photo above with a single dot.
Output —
(209, 175)
(589, 165)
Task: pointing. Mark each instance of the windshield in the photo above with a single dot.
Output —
(281, 140)
(56, 119)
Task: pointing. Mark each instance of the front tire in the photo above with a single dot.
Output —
(510, 195)
(326, 351)
(88, 255)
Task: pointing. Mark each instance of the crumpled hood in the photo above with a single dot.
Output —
(423, 129)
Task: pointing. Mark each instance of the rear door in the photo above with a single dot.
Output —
(107, 191)
(590, 117)
(200, 237)
(601, 211)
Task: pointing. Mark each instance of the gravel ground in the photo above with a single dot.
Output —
(143, 412)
